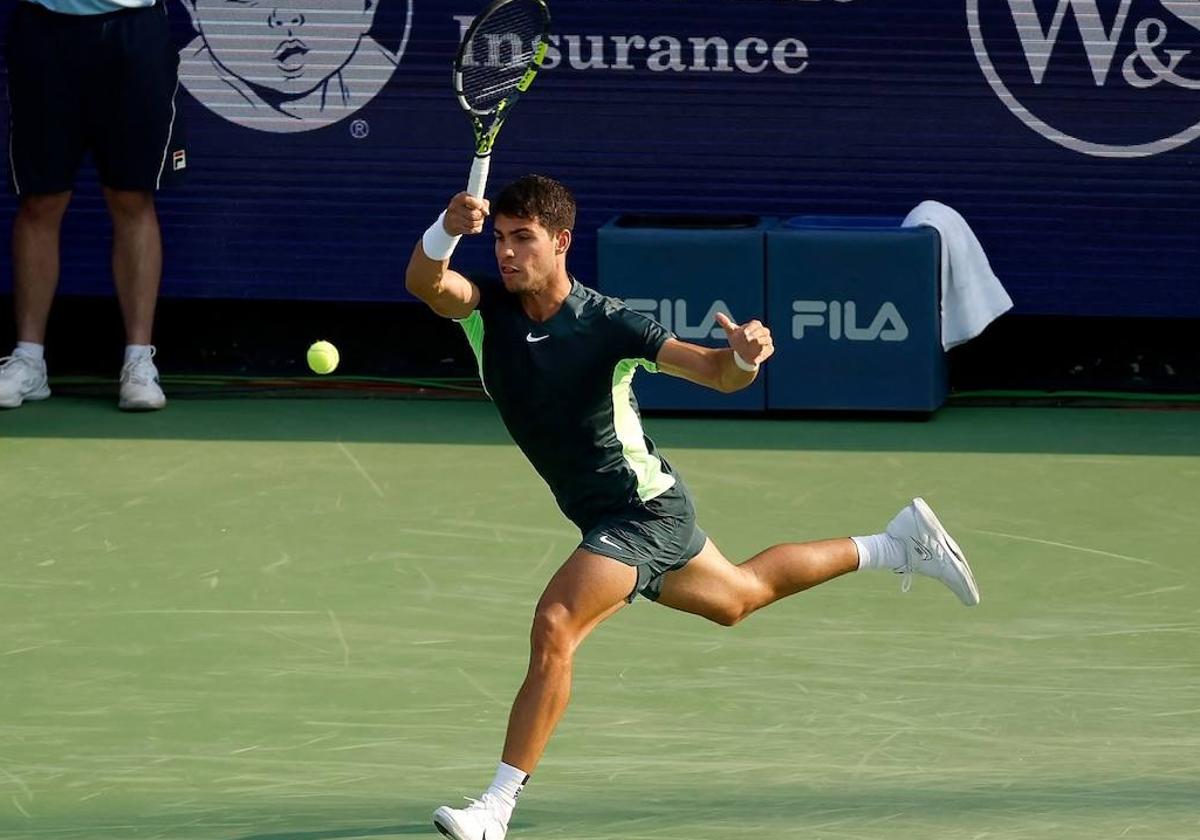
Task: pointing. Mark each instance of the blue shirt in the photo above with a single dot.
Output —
(91, 7)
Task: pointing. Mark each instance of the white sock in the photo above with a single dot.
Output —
(507, 786)
(29, 350)
(136, 351)
(879, 551)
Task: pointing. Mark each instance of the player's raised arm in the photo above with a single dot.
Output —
(429, 277)
(722, 370)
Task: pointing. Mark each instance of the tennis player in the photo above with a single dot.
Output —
(558, 358)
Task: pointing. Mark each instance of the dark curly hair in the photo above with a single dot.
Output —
(537, 197)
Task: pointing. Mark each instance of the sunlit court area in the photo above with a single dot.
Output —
(633, 420)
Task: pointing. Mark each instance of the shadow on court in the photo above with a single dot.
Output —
(1035, 805)
(415, 421)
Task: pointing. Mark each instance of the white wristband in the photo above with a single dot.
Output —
(743, 364)
(436, 243)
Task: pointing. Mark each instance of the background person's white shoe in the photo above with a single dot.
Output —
(931, 551)
(140, 390)
(21, 379)
(478, 821)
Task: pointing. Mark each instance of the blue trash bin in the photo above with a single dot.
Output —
(853, 305)
(681, 270)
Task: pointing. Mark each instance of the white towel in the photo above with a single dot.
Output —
(972, 296)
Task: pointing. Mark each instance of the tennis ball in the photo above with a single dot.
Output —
(322, 357)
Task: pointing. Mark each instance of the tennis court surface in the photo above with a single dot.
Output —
(306, 619)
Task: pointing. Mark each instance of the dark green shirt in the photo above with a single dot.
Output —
(563, 390)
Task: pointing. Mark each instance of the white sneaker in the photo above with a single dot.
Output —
(140, 390)
(480, 820)
(22, 378)
(931, 551)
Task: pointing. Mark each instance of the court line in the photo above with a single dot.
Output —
(208, 612)
(282, 561)
(1158, 591)
(341, 637)
(481, 689)
(430, 586)
(424, 532)
(20, 784)
(546, 555)
(876, 749)
(1082, 548)
(304, 645)
(360, 469)
(475, 522)
(173, 471)
(31, 647)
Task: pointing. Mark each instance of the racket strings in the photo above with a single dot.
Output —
(499, 90)
(502, 48)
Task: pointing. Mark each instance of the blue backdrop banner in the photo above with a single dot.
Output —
(323, 136)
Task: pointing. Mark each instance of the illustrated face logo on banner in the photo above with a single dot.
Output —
(286, 65)
(1130, 58)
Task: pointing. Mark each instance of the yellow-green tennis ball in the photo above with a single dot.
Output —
(322, 357)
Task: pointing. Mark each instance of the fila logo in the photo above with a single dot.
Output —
(841, 320)
(178, 159)
(673, 314)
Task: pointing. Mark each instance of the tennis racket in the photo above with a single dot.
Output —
(500, 55)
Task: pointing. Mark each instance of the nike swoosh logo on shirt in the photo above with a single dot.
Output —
(604, 539)
(533, 340)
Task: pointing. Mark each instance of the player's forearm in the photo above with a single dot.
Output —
(706, 366)
(731, 377)
(423, 277)
(446, 292)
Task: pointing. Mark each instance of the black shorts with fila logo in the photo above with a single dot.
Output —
(102, 84)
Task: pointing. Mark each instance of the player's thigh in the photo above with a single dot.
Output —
(709, 586)
(586, 589)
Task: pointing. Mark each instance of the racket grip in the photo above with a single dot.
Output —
(477, 182)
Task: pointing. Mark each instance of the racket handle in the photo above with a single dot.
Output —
(479, 175)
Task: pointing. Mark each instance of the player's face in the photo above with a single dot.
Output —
(287, 45)
(526, 253)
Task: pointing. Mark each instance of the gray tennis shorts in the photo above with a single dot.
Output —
(656, 537)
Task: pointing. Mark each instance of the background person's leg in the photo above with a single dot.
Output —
(137, 271)
(35, 240)
(136, 260)
(35, 243)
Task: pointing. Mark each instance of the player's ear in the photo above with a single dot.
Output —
(562, 241)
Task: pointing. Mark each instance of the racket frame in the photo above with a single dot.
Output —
(486, 132)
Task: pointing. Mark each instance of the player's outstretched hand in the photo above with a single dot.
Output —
(465, 214)
(752, 340)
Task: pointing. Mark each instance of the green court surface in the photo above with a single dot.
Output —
(305, 619)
